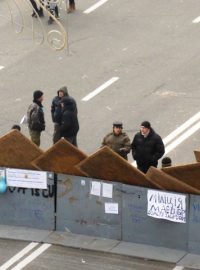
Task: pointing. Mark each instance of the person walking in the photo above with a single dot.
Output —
(118, 140)
(53, 9)
(56, 111)
(36, 11)
(72, 6)
(69, 120)
(147, 147)
(35, 117)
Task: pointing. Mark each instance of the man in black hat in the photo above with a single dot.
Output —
(35, 117)
(117, 140)
(147, 147)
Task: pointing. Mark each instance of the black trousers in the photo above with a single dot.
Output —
(33, 3)
(144, 168)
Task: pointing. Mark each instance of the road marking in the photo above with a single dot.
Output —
(2, 67)
(177, 132)
(31, 257)
(18, 256)
(178, 268)
(100, 88)
(182, 138)
(183, 127)
(197, 20)
(95, 6)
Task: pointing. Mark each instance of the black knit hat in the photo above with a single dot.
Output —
(146, 124)
(166, 162)
(37, 94)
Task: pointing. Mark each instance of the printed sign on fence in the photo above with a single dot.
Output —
(26, 178)
(165, 205)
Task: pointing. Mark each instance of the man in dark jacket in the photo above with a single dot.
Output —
(35, 117)
(69, 120)
(117, 140)
(147, 147)
(37, 10)
(56, 111)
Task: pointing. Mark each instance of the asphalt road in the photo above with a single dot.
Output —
(151, 46)
(57, 257)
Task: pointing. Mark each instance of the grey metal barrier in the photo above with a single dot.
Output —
(29, 207)
(79, 211)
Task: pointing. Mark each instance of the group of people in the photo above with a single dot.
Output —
(64, 116)
(52, 7)
(147, 146)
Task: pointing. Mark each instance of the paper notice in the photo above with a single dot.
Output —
(111, 208)
(107, 190)
(96, 188)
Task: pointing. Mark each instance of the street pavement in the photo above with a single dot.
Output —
(151, 46)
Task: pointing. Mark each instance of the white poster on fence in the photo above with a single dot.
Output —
(165, 205)
(26, 178)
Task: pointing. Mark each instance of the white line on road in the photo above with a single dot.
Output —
(178, 268)
(180, 129)
(95, 6)
(1, 67)
(197, 20)
(31, 257)
(182, 138)
(100, 88)
(18, 256)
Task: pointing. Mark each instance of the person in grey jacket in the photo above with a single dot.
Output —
(35, 117)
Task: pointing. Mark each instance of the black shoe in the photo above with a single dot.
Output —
(34, 15)
(41, 14)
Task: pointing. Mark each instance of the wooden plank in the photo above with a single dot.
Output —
(60, 158)
(106, 164)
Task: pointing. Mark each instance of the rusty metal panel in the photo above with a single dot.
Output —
(17, 151)
(78, 211)
(106, 164)
(189, 173)
(60, 158)
(139, 228)
(165, 181)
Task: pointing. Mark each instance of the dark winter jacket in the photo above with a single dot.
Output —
(119, 143)
(35, 116)
(147, 151)
(56, 107)
(69, 119)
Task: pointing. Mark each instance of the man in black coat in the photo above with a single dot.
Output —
(56, 111)
(147, 147)
(69, 120)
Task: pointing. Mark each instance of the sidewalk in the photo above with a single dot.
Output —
(67, 239)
